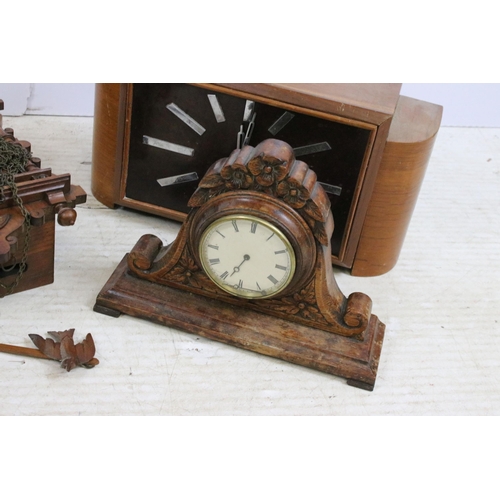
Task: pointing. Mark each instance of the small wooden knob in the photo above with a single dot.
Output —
(66, 216)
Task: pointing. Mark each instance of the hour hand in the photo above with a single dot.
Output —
(240, 138)
(237, 268)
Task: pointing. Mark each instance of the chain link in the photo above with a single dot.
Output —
(13, 160)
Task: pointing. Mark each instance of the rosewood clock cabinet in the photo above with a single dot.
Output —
(368, 145)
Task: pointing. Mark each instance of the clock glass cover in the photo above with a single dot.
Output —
(178, 130)
(247, 256)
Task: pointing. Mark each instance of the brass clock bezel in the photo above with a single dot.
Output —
(242, 292)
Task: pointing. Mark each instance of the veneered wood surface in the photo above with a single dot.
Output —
(105, 161)
(415, 121)
(369, 102)
(402, 170)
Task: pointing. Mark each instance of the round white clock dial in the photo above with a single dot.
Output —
(247, 256)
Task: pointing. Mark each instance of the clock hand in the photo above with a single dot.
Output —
(250, 128)
(242, 139)
(237, 268)
(239, 138)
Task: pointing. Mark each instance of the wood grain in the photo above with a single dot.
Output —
(355, 360)
(368, 102)
(406, 156)
(105, 153)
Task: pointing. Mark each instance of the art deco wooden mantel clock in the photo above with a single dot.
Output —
(368, 146)
(251, 267)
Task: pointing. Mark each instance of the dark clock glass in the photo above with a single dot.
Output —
(177, 131)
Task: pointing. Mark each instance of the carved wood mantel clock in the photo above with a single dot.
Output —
(368, 146)
(251, 267)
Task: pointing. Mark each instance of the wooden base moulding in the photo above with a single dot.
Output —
(355, 360)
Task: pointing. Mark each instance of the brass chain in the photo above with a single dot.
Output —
(13, 160)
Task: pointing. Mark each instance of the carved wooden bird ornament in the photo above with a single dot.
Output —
(65, 350)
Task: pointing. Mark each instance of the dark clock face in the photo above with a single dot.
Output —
(178, 130)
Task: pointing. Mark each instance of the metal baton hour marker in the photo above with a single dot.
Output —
(188, 120)
(329, 188)
(169, 146)
(312, 148)
(249, 107)
(281, 122)
(216, 108)
(177, 179)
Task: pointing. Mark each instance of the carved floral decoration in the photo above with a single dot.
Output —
(186, 272)
(293, 193)
(302, 304)
(234, 177)
(267, 170)
(269, 175)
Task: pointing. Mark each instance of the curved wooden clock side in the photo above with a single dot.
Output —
(106, 155)
(404, 162)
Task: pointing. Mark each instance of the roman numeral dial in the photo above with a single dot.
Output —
(247, 256)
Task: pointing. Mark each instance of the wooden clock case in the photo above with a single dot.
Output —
(399, 131)
(308, 322)
(47, 198)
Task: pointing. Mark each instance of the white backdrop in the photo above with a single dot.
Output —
(465, 104)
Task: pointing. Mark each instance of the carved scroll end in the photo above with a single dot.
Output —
(358, 311)
(143, 254)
